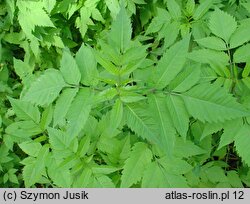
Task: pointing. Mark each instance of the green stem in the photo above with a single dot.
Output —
(231, 65)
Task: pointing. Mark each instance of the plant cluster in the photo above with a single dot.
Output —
(130, 93)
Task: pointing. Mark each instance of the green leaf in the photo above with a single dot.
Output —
(186, 79)
(241, 35)
(242, 54)
(84, 179)
(84, 146)
(116, 116)
(175, 165)
(242, 141)
(158, 107)
(158, 21)
(212, 103)
(87, 64)
(170, 33)
(135, 165)
(154, 177)
(171, 63)
(79, 112)
(222, 24)
(213, 42)
(209, 56)
(23, 129)
(202, 9)
(58, 139)
(62, 105)
(47, 117)
(215, 174)
(22, 69)
(121, 30)
(231, 129)
(234, 179)
(61, 176)
(49, 5)
(31, 14)
(211, 128)
(25, 110)
(31, 148)
(103, 181)
(178, 113)
(174, 9)
(106, 64)
(140, 121)
(46, 88)
(33, 172)
(69, 68)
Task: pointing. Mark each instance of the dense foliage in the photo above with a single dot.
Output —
(132, 93)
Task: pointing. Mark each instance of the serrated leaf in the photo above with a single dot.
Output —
(33, 172)
(153, 177)
(211, 128)
(121, 30)
(242, 140)
(109, 66)
(234, 179)
(209, 56)
(186, 79)
(45, 89)
(171, 63)
(62, 105)
(187, 148)
(212, 103)
(84, 179)
(178, 114)
(61, 177)
(175, 165)
(222, 24)
(87, 64)
(215, 174)
(31, 14)
(31, 148)
(231, 129)
(25, 110)
(47, 117)
(79, 112)
(69, 69)
(116, 116)
(58, 139)
(158, 21)
(103, 181)
(135, 165)
(22, 69)
(166, 131)
(170, 33)
(242, 54)
(241, 35)
(202, 9)
(140, 122)
(213, 42)
(174, 9)
(49, 5)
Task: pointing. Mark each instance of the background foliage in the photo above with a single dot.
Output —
(132, 93)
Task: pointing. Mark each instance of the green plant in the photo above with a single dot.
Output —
(95, 96)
